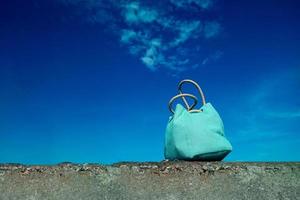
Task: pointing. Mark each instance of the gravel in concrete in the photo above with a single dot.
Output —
(163, 180)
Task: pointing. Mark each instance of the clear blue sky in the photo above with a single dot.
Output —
(89, 81)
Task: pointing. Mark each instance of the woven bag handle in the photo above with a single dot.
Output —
(182, 95)
(198, 88)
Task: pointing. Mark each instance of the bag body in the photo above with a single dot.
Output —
(195, 134)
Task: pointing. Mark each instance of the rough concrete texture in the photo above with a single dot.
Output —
(165, 180)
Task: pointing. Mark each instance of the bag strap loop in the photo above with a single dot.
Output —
(182, 95)
(198, 88)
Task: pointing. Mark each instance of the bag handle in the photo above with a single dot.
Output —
(198, 88)
(183, 95)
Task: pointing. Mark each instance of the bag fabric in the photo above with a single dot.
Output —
(195, 135)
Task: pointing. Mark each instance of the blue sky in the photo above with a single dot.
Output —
(89, 81)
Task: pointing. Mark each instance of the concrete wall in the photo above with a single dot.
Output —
(165, 180)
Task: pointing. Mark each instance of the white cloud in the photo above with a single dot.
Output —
(151, 32)
(134, 13)
(128, 35)
(186, 29)
(211, 29)
(149, 62)
(151, 57)
(205, 4)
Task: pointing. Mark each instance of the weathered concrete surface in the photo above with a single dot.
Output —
(165, 180)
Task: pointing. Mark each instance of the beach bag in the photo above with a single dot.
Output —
(195, 134)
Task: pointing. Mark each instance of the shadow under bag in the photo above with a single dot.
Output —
(195, 134)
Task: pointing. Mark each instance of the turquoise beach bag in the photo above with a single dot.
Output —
(195, 134)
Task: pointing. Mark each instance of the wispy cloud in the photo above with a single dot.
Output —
(211, 29)
(204, 4)
(213, 57)
(185, 30)
(152, 56)
(128, 36)
(153, 32)
(267, 113)
(284, 115)
(268, 118)
(134, 13)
